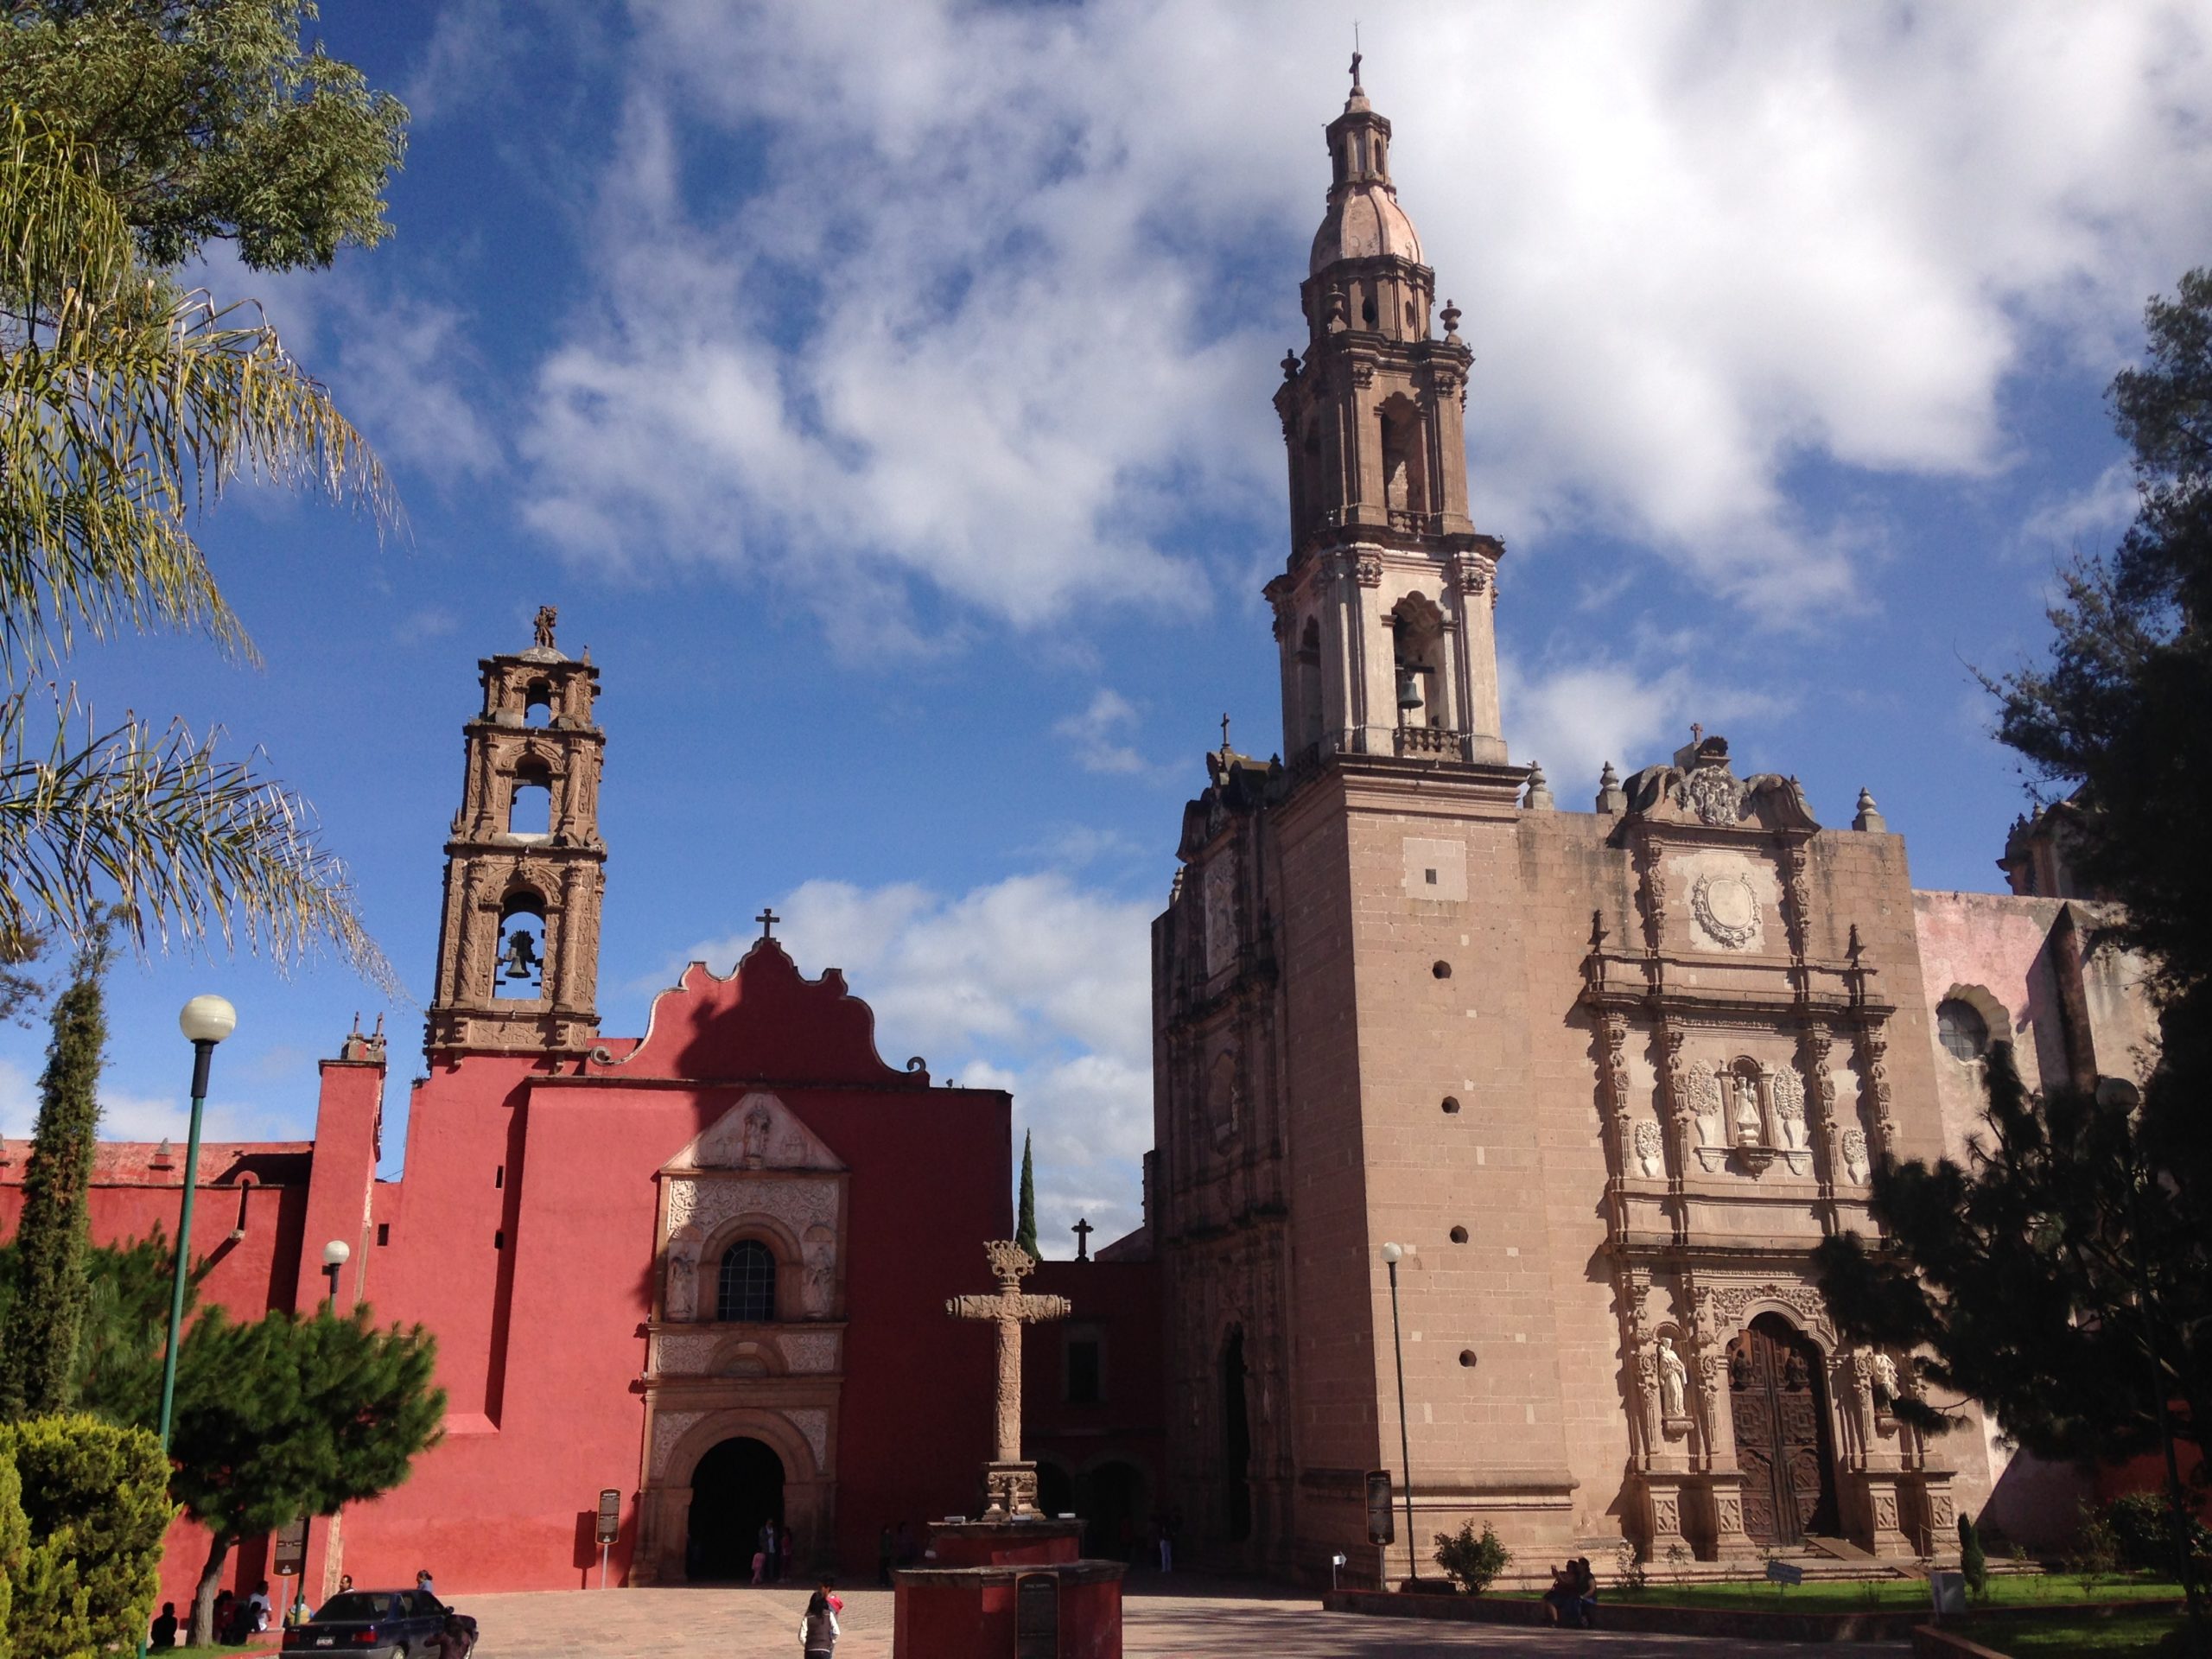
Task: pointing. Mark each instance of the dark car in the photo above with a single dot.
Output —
(376, 1625)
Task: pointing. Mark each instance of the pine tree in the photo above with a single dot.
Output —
(286, 1417)
(1025, 1227)
(38, 1345)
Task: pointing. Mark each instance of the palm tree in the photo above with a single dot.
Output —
(126, 404)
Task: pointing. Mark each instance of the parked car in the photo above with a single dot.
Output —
(375, 1624)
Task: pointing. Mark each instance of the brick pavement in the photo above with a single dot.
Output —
(1214, 1621)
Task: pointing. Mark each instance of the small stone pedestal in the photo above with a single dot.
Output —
(1008, 1588)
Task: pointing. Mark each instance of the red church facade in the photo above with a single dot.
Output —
(706, 1269)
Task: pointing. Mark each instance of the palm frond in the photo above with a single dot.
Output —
(196, 847)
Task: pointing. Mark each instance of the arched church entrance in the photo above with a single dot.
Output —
(1115, 1513)
(737, 1488)
(1779, 1400)
(1236, 1442)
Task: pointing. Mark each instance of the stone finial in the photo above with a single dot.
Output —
(1290, 366)
(1540, 791)
(1870, 815)
(1611, 797)
(1450, 315)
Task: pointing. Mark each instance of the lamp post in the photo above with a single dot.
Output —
(205, 1022)
(1392, 1254)
(335, 1254)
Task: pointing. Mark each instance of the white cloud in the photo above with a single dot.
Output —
(1033, 985)
(400, 365)
(1097, 731)
(126, 1116)
(1002, 303)
(1574, 719)
(2088, 516)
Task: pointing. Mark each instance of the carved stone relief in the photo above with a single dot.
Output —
(1727, 909)
(1651, 1154)
(1221, 913)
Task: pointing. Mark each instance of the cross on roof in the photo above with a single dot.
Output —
(1083, 1231)
(768, 918)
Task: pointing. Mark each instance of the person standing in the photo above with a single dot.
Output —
(783, 1564)
(768, 1542)
(886, 1549)
(817, 1632)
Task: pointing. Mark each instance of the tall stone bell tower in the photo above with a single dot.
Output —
(525, 868)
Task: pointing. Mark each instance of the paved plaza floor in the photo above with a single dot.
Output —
(1186, 1618)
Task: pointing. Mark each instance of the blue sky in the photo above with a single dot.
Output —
(882, 392)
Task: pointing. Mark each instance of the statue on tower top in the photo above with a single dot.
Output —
(547, 615)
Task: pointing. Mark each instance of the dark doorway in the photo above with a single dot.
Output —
(1779, 1402)
(1236, 1442)
(737, 1489)
(1055, 1491)
(1117, 1510)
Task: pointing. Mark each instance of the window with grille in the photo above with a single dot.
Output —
(746, 1293)
(1963, 1032)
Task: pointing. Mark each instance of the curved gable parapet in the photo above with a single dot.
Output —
(763, 1020)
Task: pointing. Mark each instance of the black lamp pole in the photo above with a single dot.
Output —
(1391, 1255)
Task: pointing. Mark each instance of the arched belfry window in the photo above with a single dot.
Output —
(745, 1294)
(519, 968)
(537, 704)
(1405, 469)
(530, 810)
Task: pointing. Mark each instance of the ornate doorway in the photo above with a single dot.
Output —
(736, 1490)
(1779, 1404)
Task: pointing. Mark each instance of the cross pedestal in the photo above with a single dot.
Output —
(1012, 1582)
(1009, 1485)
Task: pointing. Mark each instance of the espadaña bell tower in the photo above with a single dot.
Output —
(525, 867)
(1384, 614)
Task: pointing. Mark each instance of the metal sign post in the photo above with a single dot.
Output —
(610, 1527)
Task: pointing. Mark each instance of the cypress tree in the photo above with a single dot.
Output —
(38, 1345)
(1025, 1226)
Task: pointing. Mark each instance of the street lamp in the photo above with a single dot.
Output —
(1392, 1254)
(205, 1022)
(335, 1254)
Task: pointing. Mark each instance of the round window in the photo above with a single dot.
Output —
(1961, 1030)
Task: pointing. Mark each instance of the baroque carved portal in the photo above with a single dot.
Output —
(1778, 1402)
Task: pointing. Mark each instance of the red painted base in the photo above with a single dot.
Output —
(994, 1589)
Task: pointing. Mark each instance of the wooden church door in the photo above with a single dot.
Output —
(1779, 1404)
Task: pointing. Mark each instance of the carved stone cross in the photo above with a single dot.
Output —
(1012, 1483)
(1083, 1230)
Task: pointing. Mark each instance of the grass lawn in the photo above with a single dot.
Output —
(1833, 1596)
(2124, 1636)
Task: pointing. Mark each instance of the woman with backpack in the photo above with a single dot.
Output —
(817, 1632)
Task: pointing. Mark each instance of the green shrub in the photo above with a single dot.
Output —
(1973, 1566)
(95, 1498)
(2096, 1549)
(2142, 1527)
(1471, 1562)
(14, 1541)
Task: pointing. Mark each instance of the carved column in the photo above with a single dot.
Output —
(1680, 1104)
(1824, 1131)
(1873, 1052)
(1613, 1033)
(1795, 859)
(1653, 893)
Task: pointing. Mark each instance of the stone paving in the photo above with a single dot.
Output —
(1200, 1619)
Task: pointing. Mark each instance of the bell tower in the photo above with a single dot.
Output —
(1383, 615)
(525, 868)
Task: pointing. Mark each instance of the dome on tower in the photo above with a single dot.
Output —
(1365, 220)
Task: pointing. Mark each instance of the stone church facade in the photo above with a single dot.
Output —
(1608, 1077)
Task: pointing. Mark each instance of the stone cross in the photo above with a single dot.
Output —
(1011, 1494)
(768, 918)
(1083, 1231)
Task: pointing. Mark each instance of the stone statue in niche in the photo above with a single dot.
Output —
(1854, 1156)
(680, 1285)
(1749, 1131)
(1885, 1381)
(1651, 1157)
(1674, 1379)
(1790, 1108)
(818, 1262)
(758, 1123)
